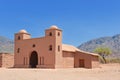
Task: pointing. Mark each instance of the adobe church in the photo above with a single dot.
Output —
(49, 52)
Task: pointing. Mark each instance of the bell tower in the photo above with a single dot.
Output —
(21, 35)
(54, 35)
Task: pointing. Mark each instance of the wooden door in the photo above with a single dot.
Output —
(81, 63)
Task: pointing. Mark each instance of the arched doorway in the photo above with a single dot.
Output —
(33, 59)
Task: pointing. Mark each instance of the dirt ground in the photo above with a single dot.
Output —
(106, 72)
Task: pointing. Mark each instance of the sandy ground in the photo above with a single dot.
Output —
(106, 72)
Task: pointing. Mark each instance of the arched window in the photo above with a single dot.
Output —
(58, 33)
(33, 45)
(50, 48)
(18, 50)
(50, 34)
(18, 37)
(59, 48)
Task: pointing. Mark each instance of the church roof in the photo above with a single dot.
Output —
(71, 48)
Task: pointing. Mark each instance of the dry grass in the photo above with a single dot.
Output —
(106, 72)
(113, 60)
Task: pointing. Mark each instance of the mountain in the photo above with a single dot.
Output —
(6, 45)
(111, 42)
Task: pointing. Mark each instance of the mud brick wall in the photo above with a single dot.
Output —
(7, 60)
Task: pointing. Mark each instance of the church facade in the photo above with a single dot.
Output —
(49, 52)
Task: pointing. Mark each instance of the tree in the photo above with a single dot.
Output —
(103, 52)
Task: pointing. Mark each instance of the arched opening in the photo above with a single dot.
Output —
(50, 34)
(50, 48)
(18, 37)
(34, 59)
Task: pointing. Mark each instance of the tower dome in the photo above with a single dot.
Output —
(23, 31)
(53, 27)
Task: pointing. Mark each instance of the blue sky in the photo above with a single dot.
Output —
(80, 20)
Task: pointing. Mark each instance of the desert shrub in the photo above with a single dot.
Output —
(113, 60)
(103, 52)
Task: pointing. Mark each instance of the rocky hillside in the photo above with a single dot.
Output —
(6, 45)
(111, 42)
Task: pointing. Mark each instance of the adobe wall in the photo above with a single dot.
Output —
(90, 61)
(68, 59)
(85, 57)
(7, 60)
(95, 61)
(41, 47)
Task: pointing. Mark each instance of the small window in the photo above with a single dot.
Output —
(59, 48)
(58, 33)
(18, 37)
(50, 34)
(33, 45)
(18, 50)
(50, 48)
